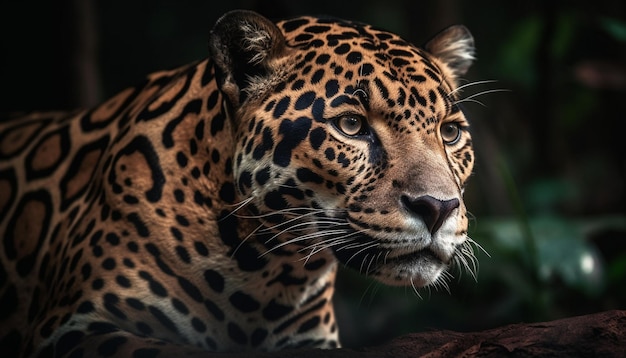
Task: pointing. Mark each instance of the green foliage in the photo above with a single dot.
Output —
(615, 28)
(514, 62)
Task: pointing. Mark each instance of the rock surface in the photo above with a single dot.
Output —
(595, 335)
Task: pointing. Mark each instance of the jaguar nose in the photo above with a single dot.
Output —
(432, 211)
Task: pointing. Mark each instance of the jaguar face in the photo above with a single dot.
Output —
(356, 145)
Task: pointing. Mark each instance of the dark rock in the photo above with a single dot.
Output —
(595, 335)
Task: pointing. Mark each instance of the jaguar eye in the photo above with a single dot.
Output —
(450, 133)
(351, 125)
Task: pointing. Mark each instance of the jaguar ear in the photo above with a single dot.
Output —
(455, 47)
(243, 45)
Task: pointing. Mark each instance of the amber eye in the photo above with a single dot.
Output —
(351, 125)
(450, 133)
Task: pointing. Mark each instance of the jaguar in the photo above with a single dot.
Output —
(209, 207)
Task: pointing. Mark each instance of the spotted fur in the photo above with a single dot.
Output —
(207, 208)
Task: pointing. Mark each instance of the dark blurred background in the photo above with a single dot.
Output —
(549, 189)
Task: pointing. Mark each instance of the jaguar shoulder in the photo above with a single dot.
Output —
(207, 208)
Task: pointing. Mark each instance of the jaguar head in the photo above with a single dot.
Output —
(350, 139)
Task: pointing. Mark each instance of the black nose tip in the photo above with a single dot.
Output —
(433, 211)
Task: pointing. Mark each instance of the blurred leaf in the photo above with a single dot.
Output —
(543, 195)
(563, 35)
(616, 270)
(563, 253)
(517, 52)
(615, 28)
(573, 113)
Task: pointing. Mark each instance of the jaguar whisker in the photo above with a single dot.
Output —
(300, 239)
(368, 247)
(415, 289)
(471, 98)
(475, 83)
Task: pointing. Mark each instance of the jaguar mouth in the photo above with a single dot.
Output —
(415, 258)
(420, 268)
(417, 268)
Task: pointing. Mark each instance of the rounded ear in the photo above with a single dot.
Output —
(243, 44)
(455, 47)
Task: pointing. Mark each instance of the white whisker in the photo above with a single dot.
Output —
(238, 207)
(471, 98)
(296, 240)
(363, 263)
(311, 235)
(374, 286)
(415, 289)
(286, 212)
(324, 245)
(471, 241)
(333, 241)
(371, 246)
(274, 227)
(301, 226)
(245, 239)
(471, 84)
(368, 269)
(472, 101)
